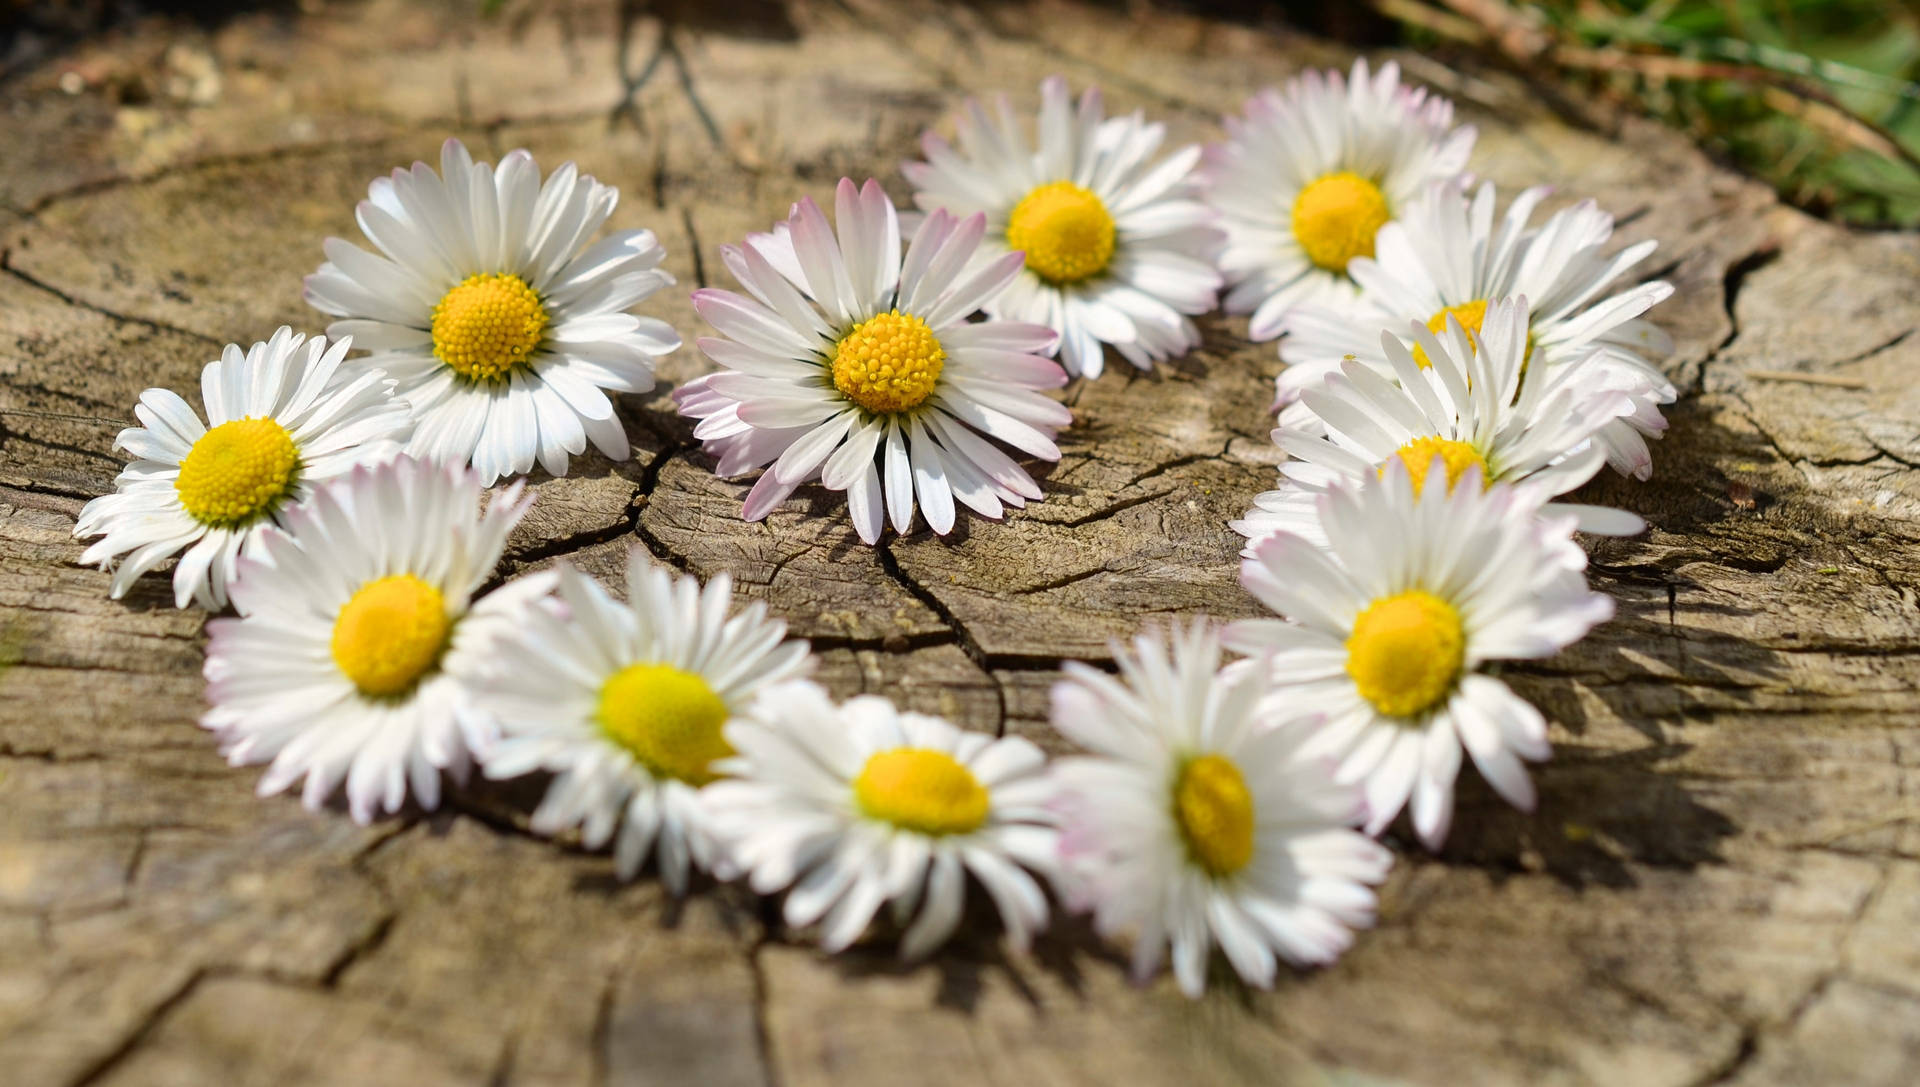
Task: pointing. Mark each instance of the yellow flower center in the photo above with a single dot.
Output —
(390, 634)
(1214, 811)
(1336, 216)
(488, 325)
(236, 471)
(922, 790)
(889, 362)
(1065, 231)
(669, 720)
(1405, 652)
(1471, 316)
(1418, 456)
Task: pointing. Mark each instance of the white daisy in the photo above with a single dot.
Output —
(1389, 625)
(857, 806)
(625, 703)
(359, 637)
(1445, 255)
(1118, 248)
(500, 323)
(1198, 819)
(849, 357)
(1310, 174)
(1458, 396)
(279, 421)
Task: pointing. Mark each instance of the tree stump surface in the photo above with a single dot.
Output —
(1722, 882)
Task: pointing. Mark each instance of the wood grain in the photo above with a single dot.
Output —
(1722, 882)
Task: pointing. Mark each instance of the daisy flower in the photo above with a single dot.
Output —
(1446, 257)
(856, 367)
(1458, 396)
(1119, 249)
(1306, 179)
(504, 328)
(359, 636)
(281, 418)
(853, 807)
(625, 704)
(1389, 626)
(1199, 818)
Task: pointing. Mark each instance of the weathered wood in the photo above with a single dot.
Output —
(1721, 885)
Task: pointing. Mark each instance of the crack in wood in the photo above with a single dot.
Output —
(890, 563)
(90, 307)
(358, 952)
(99, 1069)
(695, 248)
(602, 1035)
(1732, 281)
(762, 1005)
(1773, 700)
(111, 182)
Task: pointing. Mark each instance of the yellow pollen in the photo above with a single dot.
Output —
(488, 325)
(1405, 652)
(1065, 231)
(1418, 456)
(1471, 316)
(669, 720)
(1335, 218)
(889, 362)
(1214, 810)
(391, 634)
(922, 790)
(236, 471)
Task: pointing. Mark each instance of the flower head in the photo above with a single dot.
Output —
(1310, 174)
(1199, 819)
(1390, 622)
(852, 807)
(360, 636)
(282, 417)
(504, 327)
(1446, 259)
(1458, 395)
(855, 366)
(1118, 250)
(626, 704)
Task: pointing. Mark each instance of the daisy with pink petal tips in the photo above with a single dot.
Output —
(852, 365)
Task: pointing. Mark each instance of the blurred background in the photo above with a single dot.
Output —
(1818, 98)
